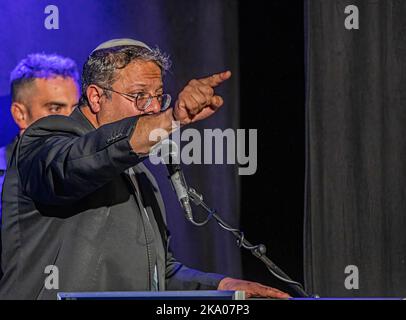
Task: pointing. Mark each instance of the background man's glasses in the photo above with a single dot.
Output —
(143, 100)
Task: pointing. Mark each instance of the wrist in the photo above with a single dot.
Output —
(175, 124)
(173, 114)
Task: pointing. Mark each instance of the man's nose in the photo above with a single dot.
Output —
(154, 107)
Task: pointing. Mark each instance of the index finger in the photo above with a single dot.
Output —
(215, 79)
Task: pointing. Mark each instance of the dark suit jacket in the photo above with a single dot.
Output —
(5, 154)
(69, 202)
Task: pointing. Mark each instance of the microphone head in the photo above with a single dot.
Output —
(168, 151)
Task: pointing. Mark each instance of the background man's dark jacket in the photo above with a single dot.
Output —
(5, 153)
(68, 201)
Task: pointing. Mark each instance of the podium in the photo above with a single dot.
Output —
(154, 295)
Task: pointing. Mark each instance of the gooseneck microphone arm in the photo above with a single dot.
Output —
(170, 156)
(258, 251)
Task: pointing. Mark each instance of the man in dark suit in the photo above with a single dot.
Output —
(41, 85)
(80, 202)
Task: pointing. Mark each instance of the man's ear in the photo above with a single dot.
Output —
(20, 115)
(94, 95)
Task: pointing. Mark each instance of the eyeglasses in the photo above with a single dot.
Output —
(143, 100)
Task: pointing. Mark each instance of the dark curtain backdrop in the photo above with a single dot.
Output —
(202, 38)
(272, 101)
(356, 148)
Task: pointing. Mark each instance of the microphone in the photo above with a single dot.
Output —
(170, 156)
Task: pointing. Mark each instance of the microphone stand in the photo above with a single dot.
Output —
(258, 251)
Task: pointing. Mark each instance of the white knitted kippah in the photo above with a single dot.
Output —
(121, 42)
